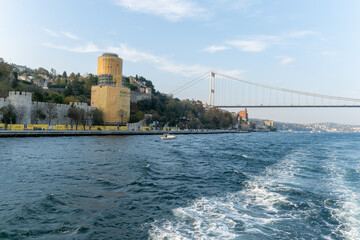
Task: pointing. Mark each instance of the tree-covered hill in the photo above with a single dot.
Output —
(163, 109)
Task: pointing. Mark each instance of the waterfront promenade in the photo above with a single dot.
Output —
(55, 133)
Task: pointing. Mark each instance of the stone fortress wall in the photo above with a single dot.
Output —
(24, 106)
(139, 96)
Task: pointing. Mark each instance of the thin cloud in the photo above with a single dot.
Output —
(215, 48)
(259, 43)
(287, 60)
(134, 55)
(70, 35)
(248, 45)
(50, 32)
(172, 10)
(66, 34)
(86, 48)
(162, 63)
(302, 33)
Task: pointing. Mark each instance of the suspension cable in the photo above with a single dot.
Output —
(289, 90)
(190, 83)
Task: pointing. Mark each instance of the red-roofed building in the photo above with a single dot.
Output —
(243, 115)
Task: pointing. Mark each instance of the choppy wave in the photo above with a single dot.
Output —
(249, 212)
(341, 182)
(226, 186)
(288, 200)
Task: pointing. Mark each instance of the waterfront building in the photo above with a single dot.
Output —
(269, 123)
(243, 115)
(110, 96)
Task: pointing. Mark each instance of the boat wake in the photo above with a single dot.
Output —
(252, 212)
(347, 206)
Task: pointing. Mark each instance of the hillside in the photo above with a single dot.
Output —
(161, 110)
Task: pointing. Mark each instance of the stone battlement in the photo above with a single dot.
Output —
(43, 104)
(25, 96)
(23, 103)
(79, 104)
(17, 93)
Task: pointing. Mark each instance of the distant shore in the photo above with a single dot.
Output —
(59, 133)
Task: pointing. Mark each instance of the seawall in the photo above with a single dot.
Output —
(57, 133)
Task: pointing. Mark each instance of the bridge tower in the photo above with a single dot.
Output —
(212, 89)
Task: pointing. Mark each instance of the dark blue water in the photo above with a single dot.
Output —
(224, 186)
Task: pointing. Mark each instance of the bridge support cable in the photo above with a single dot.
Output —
(261, 95)
(189, 84)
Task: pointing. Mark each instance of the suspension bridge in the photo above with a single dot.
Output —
(227, 91)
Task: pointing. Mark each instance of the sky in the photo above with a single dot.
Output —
(305, 45)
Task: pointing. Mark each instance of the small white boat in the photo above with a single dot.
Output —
(168, 137)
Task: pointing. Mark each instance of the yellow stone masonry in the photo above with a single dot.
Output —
(110, 96)
(113, 101)
(110, 64)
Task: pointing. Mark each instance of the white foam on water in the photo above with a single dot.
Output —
(204, 219)
(245, 213)
(257, 194)
(222, 218)
(348, 214)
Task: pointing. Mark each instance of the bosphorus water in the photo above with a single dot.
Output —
(220, 186)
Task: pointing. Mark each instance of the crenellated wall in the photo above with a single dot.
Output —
(22, 103)
(139, 96)
(25, 109)
(3, 102)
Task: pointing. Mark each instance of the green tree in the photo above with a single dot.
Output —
(194, 123)
(162, 121)
(15, 81)
(72, 77)
(132, 87)
(42, 71)
(53, 72)
(8, 113)
(4, 69)
(84, 117)
(138, 116)
(77, 116)
(38, 96)
(36, 115)
(90, 81)
(97, 117)
(57, 98)
(69, 99)
(51, 112)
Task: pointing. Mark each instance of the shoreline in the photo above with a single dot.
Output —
(63, 133)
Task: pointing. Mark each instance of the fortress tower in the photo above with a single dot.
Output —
(109, 95)
(110, 70)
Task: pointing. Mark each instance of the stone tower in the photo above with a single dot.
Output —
(109, 95)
